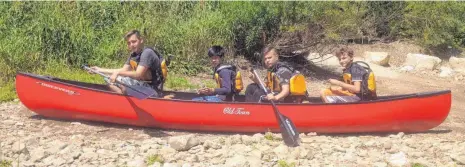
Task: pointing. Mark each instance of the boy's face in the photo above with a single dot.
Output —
(345, 60)
(135, 44)
(270, 59)
(215, 60)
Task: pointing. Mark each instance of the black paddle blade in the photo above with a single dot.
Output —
(140, 92)
(288, 131)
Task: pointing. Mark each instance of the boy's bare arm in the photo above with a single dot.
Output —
(284, 92)
(111, 71)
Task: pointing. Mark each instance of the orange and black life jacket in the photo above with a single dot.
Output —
(159, 75)
(368, 90)
(297, 83)
(162, 73)
(236, 79)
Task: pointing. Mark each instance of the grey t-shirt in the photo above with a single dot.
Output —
(147, 58)
(358, 73)
(284, 75)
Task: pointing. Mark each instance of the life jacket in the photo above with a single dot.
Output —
(370, 90)
(236, 80)
(297, 83)
(163, 74)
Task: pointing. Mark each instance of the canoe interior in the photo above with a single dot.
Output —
(239, 98)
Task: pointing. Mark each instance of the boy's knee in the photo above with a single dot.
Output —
(251, 87)
(115, 88)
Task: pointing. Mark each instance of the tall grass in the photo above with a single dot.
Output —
(41, 37)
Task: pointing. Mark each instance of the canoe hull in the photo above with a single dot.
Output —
(76, 101)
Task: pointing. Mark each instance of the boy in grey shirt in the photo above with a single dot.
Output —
(142, 68)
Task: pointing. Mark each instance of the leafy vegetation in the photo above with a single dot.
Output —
(5, 163)
(269, 136)
(417, 165)
(54, 38)
(282, 163)
(154, 158)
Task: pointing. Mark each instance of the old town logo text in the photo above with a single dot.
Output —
(70, 92)
(235, 111)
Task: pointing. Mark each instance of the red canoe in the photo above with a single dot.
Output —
(71, 100)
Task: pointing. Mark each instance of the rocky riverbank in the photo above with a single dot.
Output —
(31, 140)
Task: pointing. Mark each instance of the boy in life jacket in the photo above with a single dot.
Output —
(285, 83)
(355, 85)
(229, 82)
(142, 68)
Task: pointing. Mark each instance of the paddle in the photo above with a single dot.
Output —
(140, 92)
(287, 127)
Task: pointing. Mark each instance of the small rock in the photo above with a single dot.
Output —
(9, 122)
(370, 143)
(19, 147)
(256, 153)
(398, 159)
(407, 68)
(75, 123)
(362, 153)
(380, 164)
(211, 144)
(186, 165)
(380, 58)
(183, 143)
(236, 161)
(38, 154)
(281, 151)
(460, 159)
(306, 140)
(156, 164)
(306, 154)
(254, 161)
(145, 148)
(167, 152)
(192, 158)
(458, 64)
(459, 77)
(57, 147)
(312, 134)
(171, 165)
(400, 135)
(76, 155)
(249, 140)
(46, 130)
(258, 137)
(387, 145)
(422, 62)
(137, 162)
(340, 149)
(58, 162)
(236, 139)
(445, 72)
(418, 154)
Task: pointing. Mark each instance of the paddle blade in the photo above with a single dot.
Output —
(140, 92)
(288, 131)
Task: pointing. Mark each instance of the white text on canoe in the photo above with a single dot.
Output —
(235, 111)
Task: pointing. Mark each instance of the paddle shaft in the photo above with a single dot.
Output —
(106, 76)
(99, 73)
(284, 122)
(266, 91)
